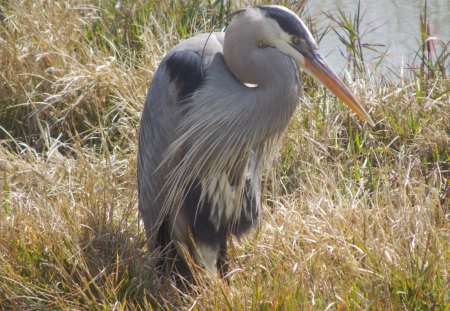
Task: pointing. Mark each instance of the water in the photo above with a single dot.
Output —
(393, 23)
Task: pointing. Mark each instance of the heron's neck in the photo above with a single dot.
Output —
(270, 106)
(227, 121)
(233, 118)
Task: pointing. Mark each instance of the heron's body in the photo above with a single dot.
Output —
(211, 124)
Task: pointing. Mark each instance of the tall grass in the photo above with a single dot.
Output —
(352, 39)
(357, 217)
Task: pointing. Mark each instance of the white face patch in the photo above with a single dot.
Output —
(275, 36)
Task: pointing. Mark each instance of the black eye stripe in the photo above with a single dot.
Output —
(287, 21)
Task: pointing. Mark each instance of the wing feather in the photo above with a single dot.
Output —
(177, 77)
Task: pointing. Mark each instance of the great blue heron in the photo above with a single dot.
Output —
(211, 124)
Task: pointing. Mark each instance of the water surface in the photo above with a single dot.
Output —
(392, 23)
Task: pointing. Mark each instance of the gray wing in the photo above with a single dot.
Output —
(178, 76)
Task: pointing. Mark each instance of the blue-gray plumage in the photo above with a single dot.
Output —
(214, 115)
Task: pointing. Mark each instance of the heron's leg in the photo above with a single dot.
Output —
(171, 261)
(222, 259)
(206, 255)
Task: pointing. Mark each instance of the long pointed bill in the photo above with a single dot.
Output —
(319, 69)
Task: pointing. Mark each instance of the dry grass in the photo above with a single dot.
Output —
(357, 217)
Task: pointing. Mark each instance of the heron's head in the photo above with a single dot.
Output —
(277, 27)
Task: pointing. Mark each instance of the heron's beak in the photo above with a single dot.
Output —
(317, 67)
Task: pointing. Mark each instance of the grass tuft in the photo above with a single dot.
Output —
(357, 217)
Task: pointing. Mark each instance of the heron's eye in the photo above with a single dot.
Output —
(296, 40)
(261, 44)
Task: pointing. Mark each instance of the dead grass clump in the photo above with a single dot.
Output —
(357, 217)
(54, 83)
(69, 230)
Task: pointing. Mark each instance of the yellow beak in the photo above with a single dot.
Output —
(321, 71)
